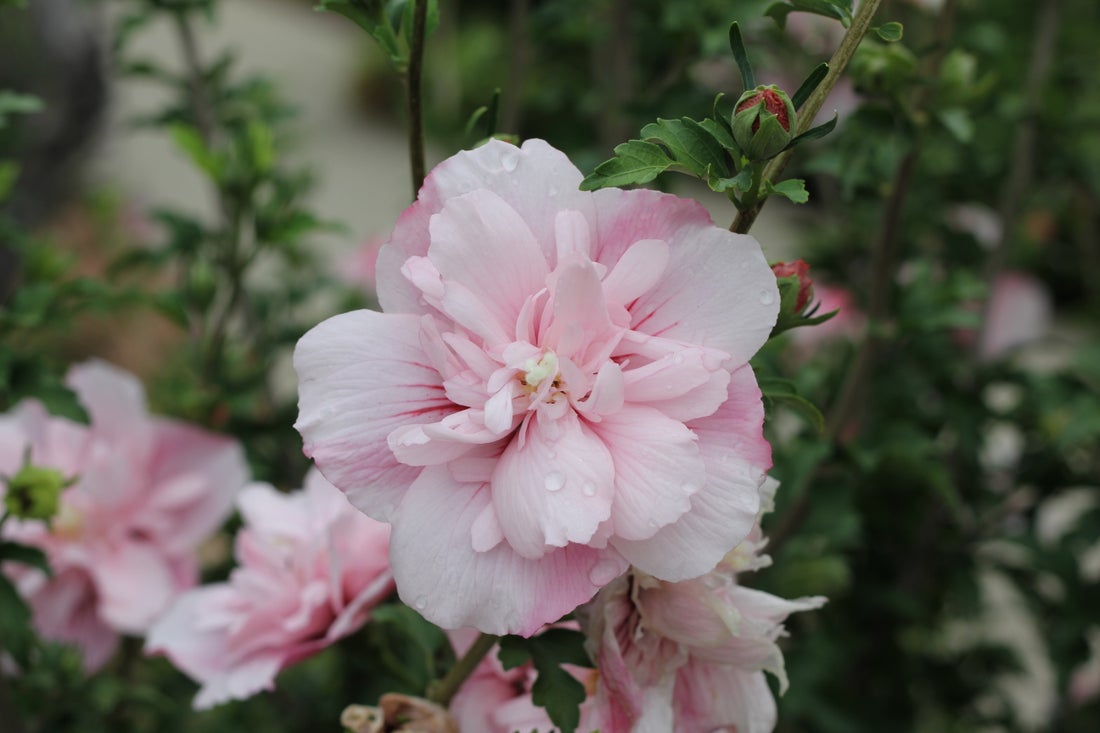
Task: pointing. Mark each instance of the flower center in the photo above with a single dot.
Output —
(537, 372)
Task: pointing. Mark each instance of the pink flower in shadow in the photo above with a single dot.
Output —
(311, 568)
(496, 700)
(148, 491)
(689, 656)
(558, 388)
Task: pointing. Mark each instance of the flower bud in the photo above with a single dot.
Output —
(800, 270)
(762, 122)
(35, 492)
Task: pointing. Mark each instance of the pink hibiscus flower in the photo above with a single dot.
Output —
(122, 546)
(311, 568)
(690, 656)
(558, 388)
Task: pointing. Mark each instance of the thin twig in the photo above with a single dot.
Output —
(884, 256)
(443, 690)
(806, 114)
(519, 59)
(200, 97)
(413, 96)
(1024, 147)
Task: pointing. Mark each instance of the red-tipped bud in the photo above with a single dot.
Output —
(762, 122)
(797, 269)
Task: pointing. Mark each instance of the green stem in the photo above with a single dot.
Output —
(444, 689)
(806, 114)
(413, 97)
(884, 255)
(752, 196)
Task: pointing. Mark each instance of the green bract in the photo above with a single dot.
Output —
(34, 492)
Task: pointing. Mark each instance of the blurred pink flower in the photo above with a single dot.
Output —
(688, 656)
(496, 700)
(847, 324)
(358, 266)
(1019, 312)
(311, 568)
(559, 387)
(123, 543)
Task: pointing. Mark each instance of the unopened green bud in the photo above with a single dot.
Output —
(762, 122)
(35, 492)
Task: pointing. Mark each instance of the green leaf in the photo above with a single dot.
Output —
(720, 132)
(9, 172)
(190, 142)
(260, 145)
(890, 32)
(690, 145)
(635, 161)
(808, 86)
(406, 645)
(957, 122)
(24, 555)
(838, 9)
(488, 116)
(371, 17)
(792, 188)
(555, 689)
(741, 57)
(783, 392)
(14, 103)
(15, 623)
(741, 182)
(813, 133)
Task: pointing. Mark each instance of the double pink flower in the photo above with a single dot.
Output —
(148, 491)
(558, 389)
(311, 568)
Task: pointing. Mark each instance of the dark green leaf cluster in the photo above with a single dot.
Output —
(555, 688)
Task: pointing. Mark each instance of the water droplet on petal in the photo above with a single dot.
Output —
(555, 480)
(552, 192)
(677, 358)
(689, 488)
(767, 297)
(420, 602)
(509, 161)
(589, 488)
(603, 572)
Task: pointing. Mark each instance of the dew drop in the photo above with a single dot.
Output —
(420, 602)
(555, 480)
(509, 161)
(603, 572)
(689, 488)
(589, 488)
(767, 297)
(677, 358)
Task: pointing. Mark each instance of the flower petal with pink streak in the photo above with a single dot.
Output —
(478, 227)
(361, 376)
(439, 573)
(555, 488)
(657, 469)
(724, 510)
(535, 180)
(732, 308)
